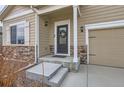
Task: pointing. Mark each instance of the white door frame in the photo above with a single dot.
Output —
(63, 22)
(103, 25)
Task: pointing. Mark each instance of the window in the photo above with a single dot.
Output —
(17, 34)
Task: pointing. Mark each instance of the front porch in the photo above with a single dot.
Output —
(58, 37)
(56, 45)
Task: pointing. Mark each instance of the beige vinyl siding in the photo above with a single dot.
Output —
(93, 14)
(107, 47)
(28, 18)
(18, 9)
(44, 38)
(98, 13)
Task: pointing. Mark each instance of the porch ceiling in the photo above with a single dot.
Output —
(57, 12)
(46, 9)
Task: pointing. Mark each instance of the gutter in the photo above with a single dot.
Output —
(5, 7)
(3, 12)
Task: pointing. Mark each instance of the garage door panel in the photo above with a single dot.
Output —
(108, 47)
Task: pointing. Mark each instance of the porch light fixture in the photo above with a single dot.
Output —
(46, 23)
(81, 28)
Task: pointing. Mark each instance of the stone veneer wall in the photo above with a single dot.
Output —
(81, 51)
(19, 53)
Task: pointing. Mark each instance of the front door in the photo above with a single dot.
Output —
(62, 39)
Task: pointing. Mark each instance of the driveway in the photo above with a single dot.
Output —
(98, 76)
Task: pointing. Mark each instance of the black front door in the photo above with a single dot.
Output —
(62, 39)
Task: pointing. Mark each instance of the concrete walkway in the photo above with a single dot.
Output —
(98, 76)
(76, 79)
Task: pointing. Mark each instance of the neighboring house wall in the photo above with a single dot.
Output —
(19, 52)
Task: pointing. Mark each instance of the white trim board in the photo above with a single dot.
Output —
(19, 14)
(111, 24)
(5, 7)
(17, 23)
(75, 33)
(63, 22)
(103, 25)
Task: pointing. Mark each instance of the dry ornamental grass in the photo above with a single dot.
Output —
(12, 74)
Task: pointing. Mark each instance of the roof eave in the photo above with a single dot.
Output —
(5, 11)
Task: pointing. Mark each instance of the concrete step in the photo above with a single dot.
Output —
(57, 79)
(36, 72)
(64, 64)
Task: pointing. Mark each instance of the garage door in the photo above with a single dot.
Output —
(106, 47)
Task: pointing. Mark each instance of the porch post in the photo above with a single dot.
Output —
(36, 38)
(75, 59)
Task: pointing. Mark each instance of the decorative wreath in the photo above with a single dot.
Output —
(63, 33)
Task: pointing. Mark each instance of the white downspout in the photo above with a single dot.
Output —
(36, 38)
(36, 35)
